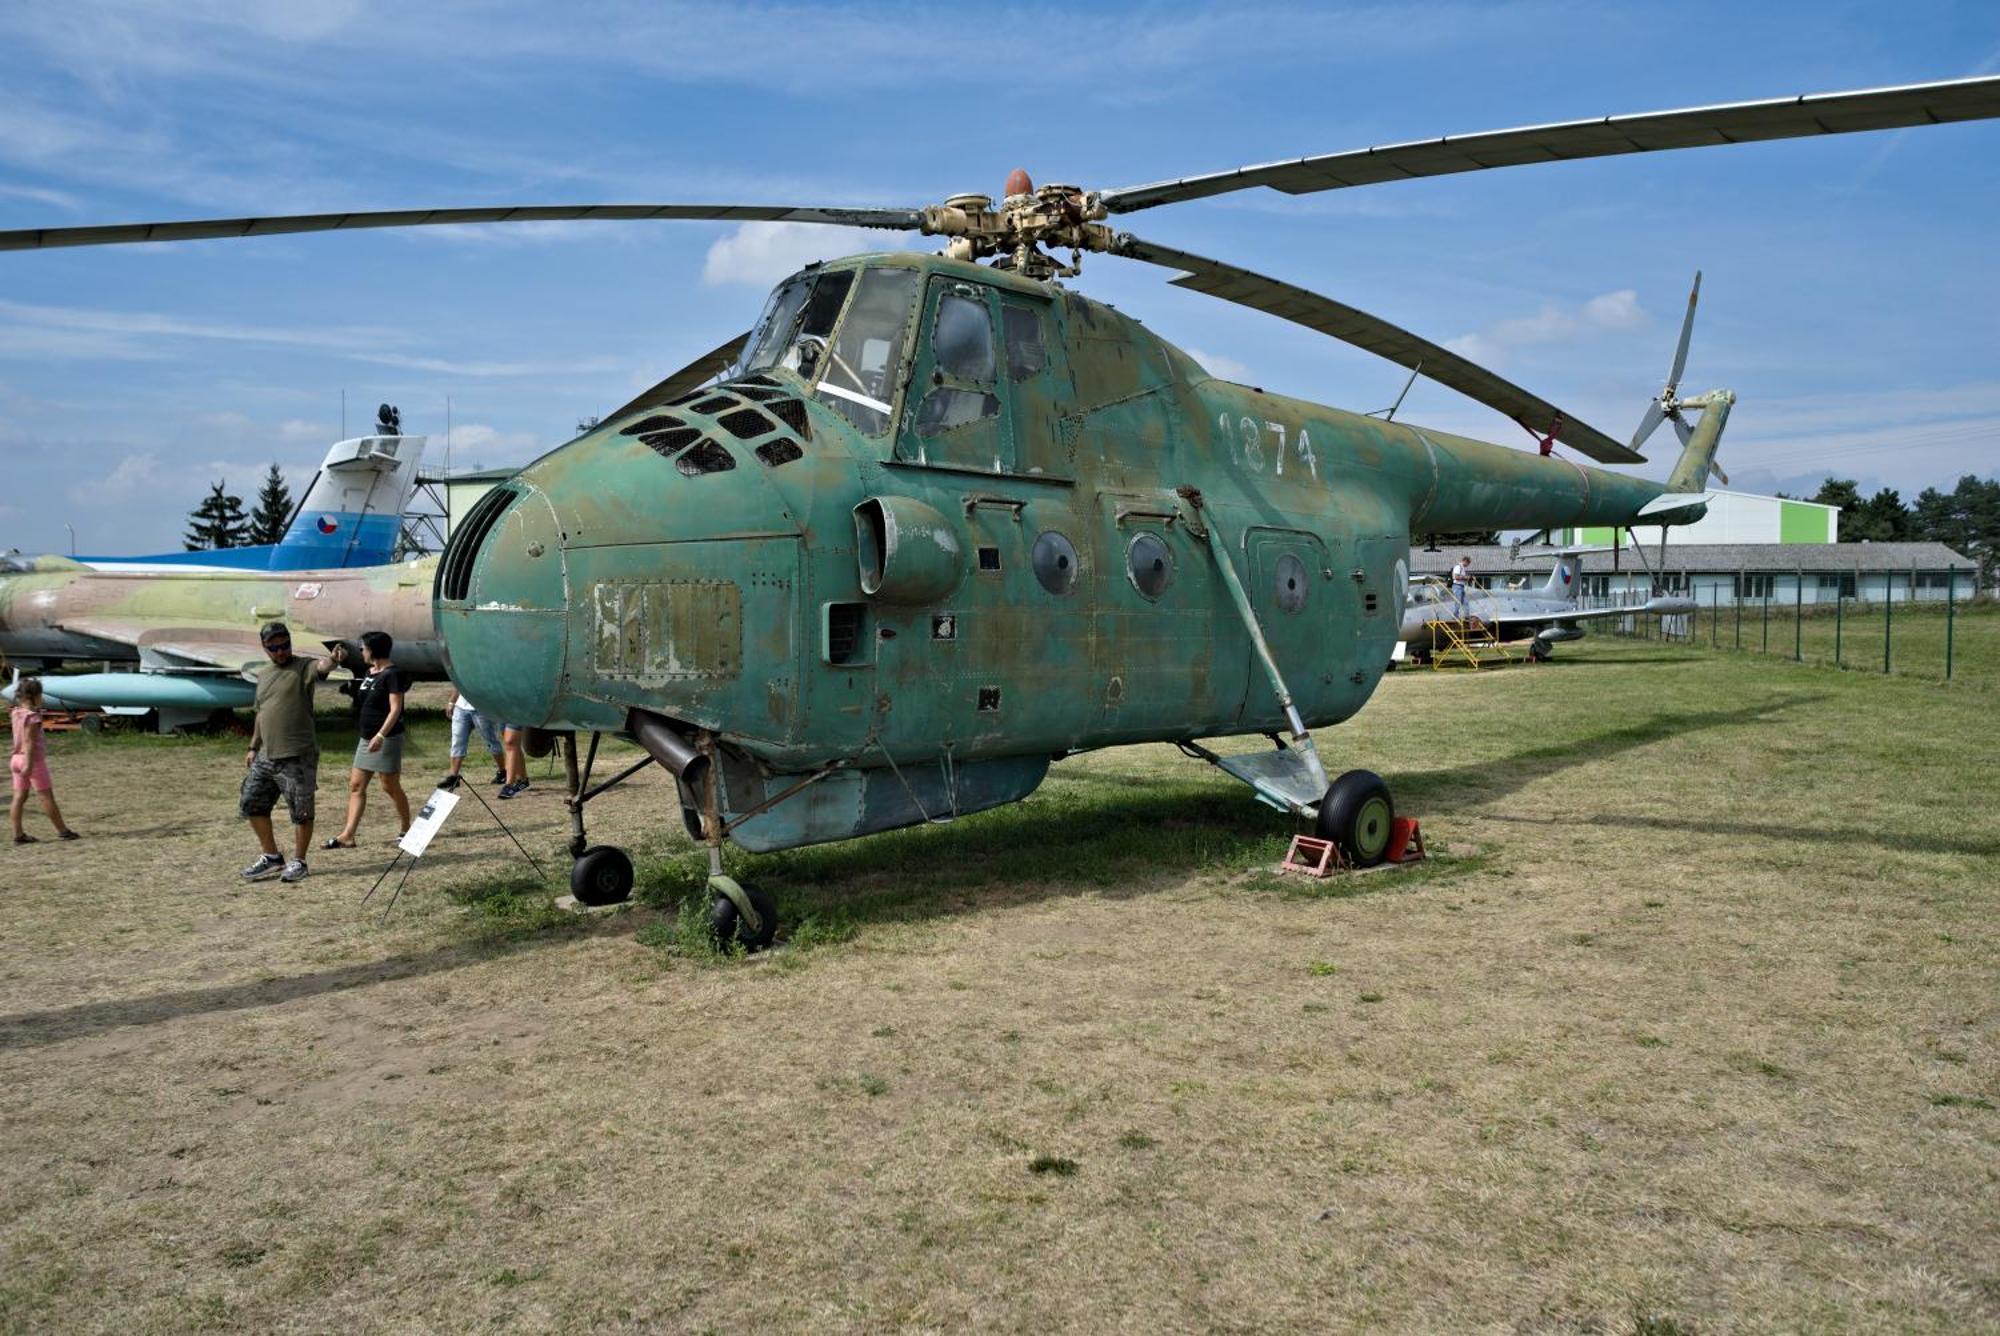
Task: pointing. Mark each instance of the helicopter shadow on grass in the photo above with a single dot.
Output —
(1484, 780)
(1886, 841)
(37, 1029)
(1109, 835)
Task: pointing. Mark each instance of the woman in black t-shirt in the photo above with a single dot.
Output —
(378, 714)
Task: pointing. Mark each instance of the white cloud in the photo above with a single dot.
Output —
(41, 195)
(1228, 368)
(759, 254)
(134, 475)
(1611, 311)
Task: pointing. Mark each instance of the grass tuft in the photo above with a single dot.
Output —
(1057, 1165)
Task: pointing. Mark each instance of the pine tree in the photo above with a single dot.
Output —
(218, 521)
(274, 507)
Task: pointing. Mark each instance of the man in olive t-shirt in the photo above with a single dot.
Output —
(284, 752)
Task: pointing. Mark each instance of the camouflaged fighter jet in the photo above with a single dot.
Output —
(1543, 617)
(943, 522)
(193, 635)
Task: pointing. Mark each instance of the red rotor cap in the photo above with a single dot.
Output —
(1018, 184)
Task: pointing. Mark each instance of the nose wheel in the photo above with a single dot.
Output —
(601, 876)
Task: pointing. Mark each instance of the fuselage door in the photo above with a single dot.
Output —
(954, 415)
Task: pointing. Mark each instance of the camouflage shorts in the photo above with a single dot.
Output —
(296, 777)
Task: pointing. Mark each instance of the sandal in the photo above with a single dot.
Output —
(335, 842)
(25, 838)
(69, 835)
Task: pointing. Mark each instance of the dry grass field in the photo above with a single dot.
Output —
(1692, 1027)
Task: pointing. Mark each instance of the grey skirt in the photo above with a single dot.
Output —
(388, 761)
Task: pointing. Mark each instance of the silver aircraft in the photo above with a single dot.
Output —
(1541, 616)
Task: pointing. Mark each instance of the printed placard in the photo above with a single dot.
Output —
(429, 819)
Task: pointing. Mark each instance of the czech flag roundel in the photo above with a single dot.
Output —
(1565, 570)
(327, 524)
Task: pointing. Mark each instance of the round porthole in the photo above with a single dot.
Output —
(1291, 583)
(1150, 565)
(1054, 560)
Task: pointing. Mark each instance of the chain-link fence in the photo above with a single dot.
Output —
(1885, 622)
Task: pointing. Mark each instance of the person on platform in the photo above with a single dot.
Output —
(29, 764)
(1461, 584)
(284, 752)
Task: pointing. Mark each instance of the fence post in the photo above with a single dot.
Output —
(1799, 616)
(1739, 611)
(1715, 616)
(1767, 617)
(1950, 611)
(1888, 615)
(1839, 606)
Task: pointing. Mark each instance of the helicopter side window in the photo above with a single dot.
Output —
(961, 349)
(773, 334)
(1025, 354)
(962, 338)
(865, 363)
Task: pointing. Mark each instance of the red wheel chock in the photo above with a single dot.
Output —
(1323, 856)
(1406, 841)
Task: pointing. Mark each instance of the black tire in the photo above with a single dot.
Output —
(602, 876)
(1356, 814)
(728, 926)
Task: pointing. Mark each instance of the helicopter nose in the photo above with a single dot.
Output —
(501, 602)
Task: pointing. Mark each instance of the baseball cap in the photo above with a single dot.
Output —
(274, 631)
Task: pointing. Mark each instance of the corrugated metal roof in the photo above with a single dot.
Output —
(1712, 558)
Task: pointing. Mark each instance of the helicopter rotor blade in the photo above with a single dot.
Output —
(37, 238)
(1350, 325)
(1646, 132)
(711, 363)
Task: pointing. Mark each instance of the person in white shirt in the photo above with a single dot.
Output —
(465, 717)
(1461, 580)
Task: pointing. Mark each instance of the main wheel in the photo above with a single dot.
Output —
(1356, 815)
(729, 925)
(602, 876)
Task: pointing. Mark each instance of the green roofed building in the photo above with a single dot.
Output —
(1742, 517)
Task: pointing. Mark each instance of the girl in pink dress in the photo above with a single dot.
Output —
(29, 765)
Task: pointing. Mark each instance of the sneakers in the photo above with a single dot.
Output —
(25, 838)
(294, 870)
(514, 790)
(499, 777)
(70, 835)
(267, 865)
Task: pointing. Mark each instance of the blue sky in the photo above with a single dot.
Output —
(1852, 296)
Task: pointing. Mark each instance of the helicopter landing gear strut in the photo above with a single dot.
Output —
(738, 915)
(602, 875)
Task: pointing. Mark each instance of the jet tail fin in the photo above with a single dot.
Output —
(352, 512)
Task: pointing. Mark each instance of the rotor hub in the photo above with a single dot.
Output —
(1013, 236)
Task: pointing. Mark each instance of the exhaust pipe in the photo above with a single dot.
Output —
(674, 752)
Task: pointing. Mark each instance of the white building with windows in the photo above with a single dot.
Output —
(1724, 574)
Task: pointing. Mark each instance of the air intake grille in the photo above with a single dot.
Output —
(793, 414)
(708, 457)
(667, 444)
(715, 404)
(657, 422)
(744, 423)
(454, 577)
(762, 396)
(781, 451)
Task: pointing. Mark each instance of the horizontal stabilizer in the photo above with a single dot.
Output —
(1660, 505)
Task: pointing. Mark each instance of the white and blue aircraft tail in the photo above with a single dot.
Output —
(351, 515)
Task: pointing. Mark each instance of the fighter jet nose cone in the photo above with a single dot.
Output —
(502, 606)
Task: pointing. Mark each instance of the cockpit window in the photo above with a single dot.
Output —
(792, 331)
(773, 333)
(865, 362)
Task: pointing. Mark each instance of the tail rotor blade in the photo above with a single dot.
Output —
(1648, 424)
(1682, 429)
(1687, 332)
(1720, 476)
